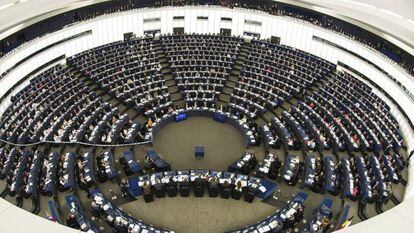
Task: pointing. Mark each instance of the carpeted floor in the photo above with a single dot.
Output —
(201, 215)
(223, 143)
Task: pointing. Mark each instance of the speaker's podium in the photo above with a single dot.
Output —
(199, 152)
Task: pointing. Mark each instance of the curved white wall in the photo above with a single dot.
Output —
(292, 32)
(16, 220)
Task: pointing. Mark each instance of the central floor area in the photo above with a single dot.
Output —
(223, 143)
(201, 215)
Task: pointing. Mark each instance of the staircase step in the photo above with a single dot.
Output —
(106, 97)
(171, 82)
(261, 120)
(122, 107)
(286, 105)
(92, 87)
(235, 74)
(173, 89)
(224, 98)
(227, 90)
(293, 101)
(234, 79)
(237, 67)
(168, 77)
(176, 96)
(131, 113)
(166, 70)
(85, 81)
(221, 102)
(267, 116)
(231, 84)
(179, 102)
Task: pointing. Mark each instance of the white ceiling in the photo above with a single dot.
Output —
(401, 7)
(396, 17)
(13, 12)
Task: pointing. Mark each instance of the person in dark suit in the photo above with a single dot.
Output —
(213, 189)
(298, 215)
(199, 187)
(146, 190)
(185, 188)
(72, 222)
(289, 222)
(225, 190)
(172, 188)
(250, 194)
(159, 189)
(237, 191)
(124, 188)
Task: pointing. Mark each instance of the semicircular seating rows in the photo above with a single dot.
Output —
(322, 128)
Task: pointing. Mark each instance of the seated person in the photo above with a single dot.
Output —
(250, 194)
(185, 188)
(274, 168)
(172, 188)
(225, 190)
(199, 187)
(298, 215)
(147, 192)
(159, 188)
(72, 222)
(237, 191)
(124, 188)
(213, 189)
